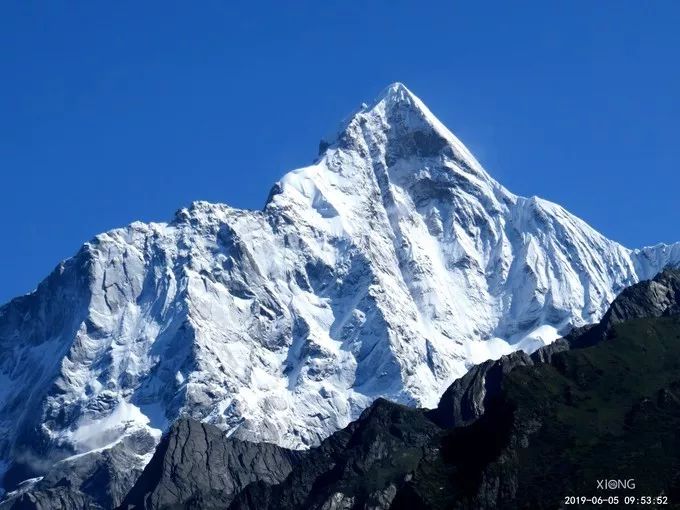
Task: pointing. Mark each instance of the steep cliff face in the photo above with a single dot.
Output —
(385, 269)
(96, 480)
(197, 466)
(361, 466)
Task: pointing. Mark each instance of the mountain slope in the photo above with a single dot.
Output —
(605, 411)
(606, 406)
(195, 466)
(387, 268)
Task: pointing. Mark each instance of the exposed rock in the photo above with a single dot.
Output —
(197, 466)
(360, 466)
(57, 498)
(102, 479)
(465, 400)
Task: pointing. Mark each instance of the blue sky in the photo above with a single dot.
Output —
(113, 112)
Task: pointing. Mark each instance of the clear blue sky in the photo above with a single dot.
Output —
(116, 111)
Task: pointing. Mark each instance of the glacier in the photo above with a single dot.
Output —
(385, 269)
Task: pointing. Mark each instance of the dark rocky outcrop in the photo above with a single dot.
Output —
(361, 466)
(98, 479)
(466, 399)
(197, 466)
(62, 498)
(652, 298)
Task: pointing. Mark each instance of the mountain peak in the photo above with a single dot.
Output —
(397, 97)
(393, 98)
(396, 91)
(401, 123)
(400, 116)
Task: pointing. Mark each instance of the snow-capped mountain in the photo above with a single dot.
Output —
(386, 268)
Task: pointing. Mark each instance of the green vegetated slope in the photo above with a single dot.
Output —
(609, 411)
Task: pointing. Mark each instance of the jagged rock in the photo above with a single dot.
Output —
(57, 498)
(357, 467)
(197, 466)
(652, 298)
(102, 479)
(464, 401)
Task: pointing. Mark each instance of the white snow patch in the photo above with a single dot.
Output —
(96, 433)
